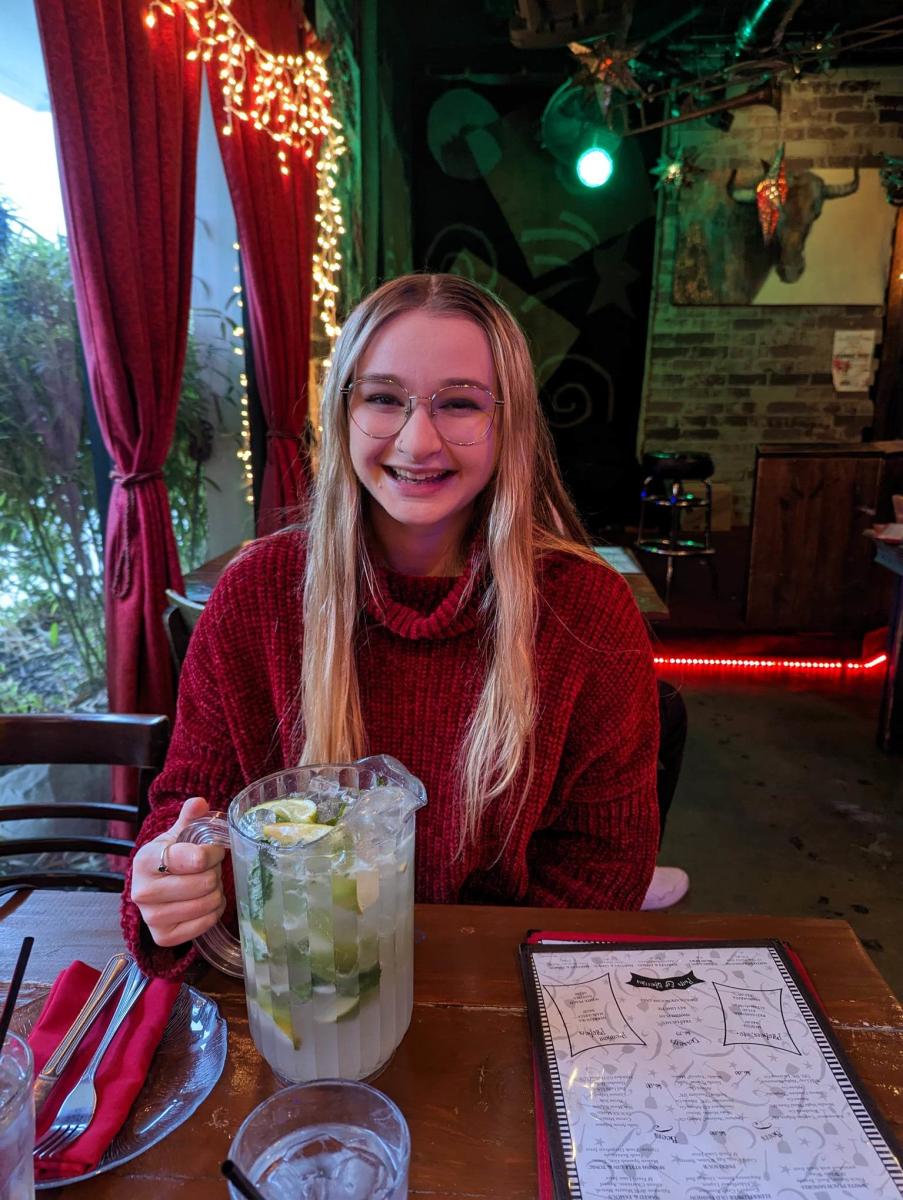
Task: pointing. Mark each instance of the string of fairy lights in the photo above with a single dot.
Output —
(243, 453)
(285, 97)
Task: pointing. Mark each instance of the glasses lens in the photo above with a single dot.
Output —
(378, 407)
(463, 414)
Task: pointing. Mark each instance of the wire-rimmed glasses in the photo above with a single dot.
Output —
(462, 413)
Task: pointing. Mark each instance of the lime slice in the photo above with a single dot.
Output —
(338, 1008)
(344, 892)
(358, 891)
(290, 808)
(280, 1018)
(290, 833)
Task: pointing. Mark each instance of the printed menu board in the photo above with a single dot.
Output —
(696, 1071)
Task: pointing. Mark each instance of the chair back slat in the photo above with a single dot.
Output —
(97, 881)
(12, 847)
(111, 739)
(115, 739)
(89, 811)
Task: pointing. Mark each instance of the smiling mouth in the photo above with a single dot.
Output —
(412, 477)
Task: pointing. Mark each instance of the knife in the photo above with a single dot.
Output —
(110, 979)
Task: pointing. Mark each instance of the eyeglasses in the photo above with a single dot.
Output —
(462, 413)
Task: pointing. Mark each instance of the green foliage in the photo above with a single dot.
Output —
(51, 546)
(50, 538)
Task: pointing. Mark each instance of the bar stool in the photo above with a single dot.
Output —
(665, 473)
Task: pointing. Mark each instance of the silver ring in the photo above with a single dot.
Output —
(163, 868)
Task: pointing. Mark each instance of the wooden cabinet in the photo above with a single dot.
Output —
(810, 568)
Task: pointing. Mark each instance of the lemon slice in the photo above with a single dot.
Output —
(293, 809)
(291, 833)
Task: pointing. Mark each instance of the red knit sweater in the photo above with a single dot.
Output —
(588, 833)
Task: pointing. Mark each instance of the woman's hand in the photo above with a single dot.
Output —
(189, 899)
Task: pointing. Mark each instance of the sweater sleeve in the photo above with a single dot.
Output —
(598, 849)
(201, 761)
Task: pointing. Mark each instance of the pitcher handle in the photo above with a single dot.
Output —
(217, 945)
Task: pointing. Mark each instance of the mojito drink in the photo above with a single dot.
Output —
(324, 881)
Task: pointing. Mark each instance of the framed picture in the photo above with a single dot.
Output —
(832, 244)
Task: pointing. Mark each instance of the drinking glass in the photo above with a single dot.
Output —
(328, 1140)
(16, 1120)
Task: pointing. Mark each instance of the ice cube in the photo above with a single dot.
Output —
(253, 821)
(334, 805)
(322, 785)
(376, 817)
(328, 1169)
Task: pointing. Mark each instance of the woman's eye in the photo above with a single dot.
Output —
(458, 404)
(385, 400)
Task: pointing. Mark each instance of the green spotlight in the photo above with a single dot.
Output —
(594, 167)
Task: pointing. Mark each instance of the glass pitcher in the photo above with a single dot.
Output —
(326, 925)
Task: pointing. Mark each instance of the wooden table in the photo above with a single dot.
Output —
(200, 582)
(462, 1075)
(626, 563)
(890, 721)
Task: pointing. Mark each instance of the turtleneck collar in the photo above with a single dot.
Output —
(424, 606)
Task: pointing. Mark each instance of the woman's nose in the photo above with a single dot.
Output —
(419, 437)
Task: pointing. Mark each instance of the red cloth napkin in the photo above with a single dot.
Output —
(121, 1073)
(543, 1162)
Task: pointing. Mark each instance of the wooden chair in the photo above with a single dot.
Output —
(178, 620)
(115, 739)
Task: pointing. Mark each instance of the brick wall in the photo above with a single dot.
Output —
(724, 379)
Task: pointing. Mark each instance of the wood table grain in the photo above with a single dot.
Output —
(462, 1075)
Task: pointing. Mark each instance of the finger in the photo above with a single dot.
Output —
(168, 916)
(194, 807)
(188, 930)
(182, 858)
(166, 889)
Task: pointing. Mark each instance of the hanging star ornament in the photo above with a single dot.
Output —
(771, 194)
(605, 69)
(676, 171)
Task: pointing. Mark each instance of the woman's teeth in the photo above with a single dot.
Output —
(408, 477)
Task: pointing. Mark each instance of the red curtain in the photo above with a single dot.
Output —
(125, 104)
(274, 214)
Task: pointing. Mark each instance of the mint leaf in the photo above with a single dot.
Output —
(260, 889)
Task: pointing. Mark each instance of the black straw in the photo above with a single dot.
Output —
(240, 1181)
(13, 994)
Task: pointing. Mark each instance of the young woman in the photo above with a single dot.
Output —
(440, 604)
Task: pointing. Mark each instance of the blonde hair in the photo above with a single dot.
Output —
(523, 513)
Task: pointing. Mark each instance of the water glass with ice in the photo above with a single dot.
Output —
(329, 1140)
(16, 1120)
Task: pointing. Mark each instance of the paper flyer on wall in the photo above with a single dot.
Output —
(703, 1070)
(852, 359)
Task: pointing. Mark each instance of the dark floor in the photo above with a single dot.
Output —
(785, 805)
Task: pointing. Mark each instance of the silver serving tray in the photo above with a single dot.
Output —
(183, 1072)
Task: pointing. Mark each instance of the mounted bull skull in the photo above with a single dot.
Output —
(806, 194)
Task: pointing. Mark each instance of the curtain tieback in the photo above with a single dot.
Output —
(121, 572)
(281, 433)
(124, 479)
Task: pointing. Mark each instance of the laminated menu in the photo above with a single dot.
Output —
(696, 1071)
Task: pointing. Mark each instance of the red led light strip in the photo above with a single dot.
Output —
(768, 664)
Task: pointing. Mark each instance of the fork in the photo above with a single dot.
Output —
(77, 1110)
